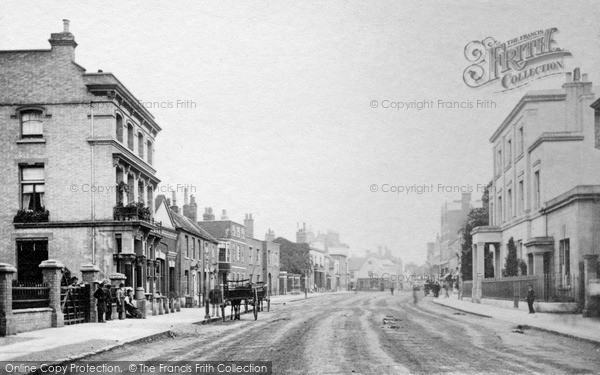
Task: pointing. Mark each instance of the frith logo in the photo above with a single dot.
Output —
(514, 63)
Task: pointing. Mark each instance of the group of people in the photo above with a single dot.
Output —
(123, 298)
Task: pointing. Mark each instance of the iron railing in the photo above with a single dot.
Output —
(547, 288)
(28, 295)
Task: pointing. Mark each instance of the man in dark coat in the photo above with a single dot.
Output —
(215, 298)
(101, 296)
(530, 299)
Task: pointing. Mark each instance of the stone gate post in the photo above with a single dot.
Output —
(52, 272)
(90, 274)
(7, 326)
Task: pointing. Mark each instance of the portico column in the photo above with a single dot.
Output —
(589, 263)
(478, 270)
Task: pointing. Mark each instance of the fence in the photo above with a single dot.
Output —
(547, 288)
(27, 295)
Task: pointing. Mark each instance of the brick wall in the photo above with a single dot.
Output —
(32, 319)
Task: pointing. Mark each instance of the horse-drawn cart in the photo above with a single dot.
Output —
(253, 294)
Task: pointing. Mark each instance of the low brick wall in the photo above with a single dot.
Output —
(32, 319)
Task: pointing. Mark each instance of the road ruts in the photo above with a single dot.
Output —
(346, 334)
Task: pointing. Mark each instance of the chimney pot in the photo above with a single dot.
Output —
(569, 74)
(584, 77)
(65, 26)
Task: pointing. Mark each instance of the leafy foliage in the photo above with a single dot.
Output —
(29, 216)
(294, 257)
(523, 267)
(512, 263)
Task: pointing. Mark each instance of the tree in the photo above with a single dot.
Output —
(512, 263)
(523, 267)
(294, 257)
(477, 217)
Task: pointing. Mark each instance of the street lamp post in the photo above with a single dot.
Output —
(204, 290)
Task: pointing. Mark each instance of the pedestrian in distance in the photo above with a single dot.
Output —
(109, 301)
(130, 309)
(392, 290)
(100, 296)
(415, 296)
(530, 299)
(215, 298)
(121, 301)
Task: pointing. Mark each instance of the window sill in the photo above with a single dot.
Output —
(31, 140)
(519, 157)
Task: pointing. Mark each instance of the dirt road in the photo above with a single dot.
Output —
(370, 333)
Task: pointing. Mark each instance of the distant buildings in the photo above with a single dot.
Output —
(329, 258)
(241, 256)
(375, 271)
(443, 255)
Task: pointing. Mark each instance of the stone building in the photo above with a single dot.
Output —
(78, 158)
(545, 188)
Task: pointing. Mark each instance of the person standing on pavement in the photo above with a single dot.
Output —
(109, 299)
(530, 299)
(100, 296)
(392, 289)
(214, 297)
(121, 301)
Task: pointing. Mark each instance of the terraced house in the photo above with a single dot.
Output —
(191, 252)
(78, 155)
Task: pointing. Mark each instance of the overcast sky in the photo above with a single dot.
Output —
(284, 125)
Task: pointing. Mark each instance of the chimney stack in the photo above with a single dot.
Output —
(224, 215)
(63, 44)
(249, 224)
(174, 207)
(190, 209)
(208, 214)
(579, 97)
(270, 236)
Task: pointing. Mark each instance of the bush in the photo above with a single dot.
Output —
(28, 216)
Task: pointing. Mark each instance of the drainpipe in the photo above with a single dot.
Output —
(93, 178)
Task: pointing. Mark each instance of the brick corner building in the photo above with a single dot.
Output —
(79, 176)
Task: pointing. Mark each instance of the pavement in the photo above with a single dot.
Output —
(569, 325)
(79, 341)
